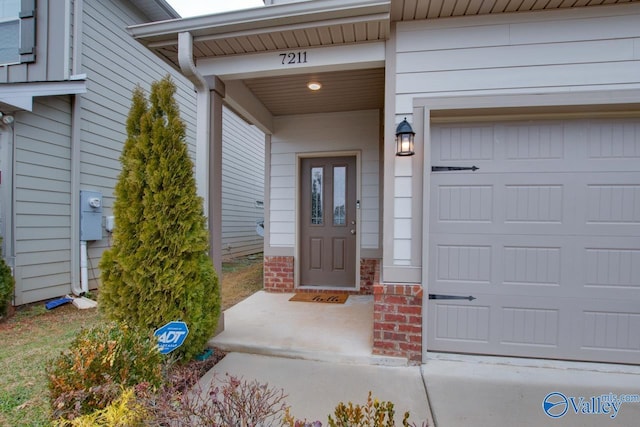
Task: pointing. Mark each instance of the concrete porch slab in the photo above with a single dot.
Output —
(270, 324)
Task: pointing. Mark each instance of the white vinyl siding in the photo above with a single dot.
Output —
(242, 186)
(43, 200)
(521, 52)
(115, 63)
(320, 133)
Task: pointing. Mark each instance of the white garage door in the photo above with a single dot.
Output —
(545, 235)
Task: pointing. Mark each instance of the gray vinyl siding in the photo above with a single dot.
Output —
(242, 186)
(43, 200)
(115, 63)
(52, 48)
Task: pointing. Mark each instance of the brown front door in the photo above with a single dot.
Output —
(328, 221)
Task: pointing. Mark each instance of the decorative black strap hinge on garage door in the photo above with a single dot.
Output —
(453, 168)
(440, 296)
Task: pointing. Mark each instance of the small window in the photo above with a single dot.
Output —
(9, 31)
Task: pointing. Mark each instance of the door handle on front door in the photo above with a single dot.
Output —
(352, 231)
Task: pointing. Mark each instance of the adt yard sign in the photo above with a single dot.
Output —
(171, 336)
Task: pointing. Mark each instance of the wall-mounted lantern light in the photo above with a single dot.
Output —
(404, 139)
(6, 119)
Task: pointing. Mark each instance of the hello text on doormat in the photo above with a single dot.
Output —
(319, 297)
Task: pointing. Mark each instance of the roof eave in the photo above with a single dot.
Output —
(257, 19)
(156, 10)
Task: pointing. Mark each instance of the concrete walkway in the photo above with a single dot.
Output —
(320, 355)
(493, 391)
(472, 391)
(315, 388)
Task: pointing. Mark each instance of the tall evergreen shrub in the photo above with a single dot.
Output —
(7, 284)
(157, 269)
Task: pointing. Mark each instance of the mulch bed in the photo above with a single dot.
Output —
(184, 376)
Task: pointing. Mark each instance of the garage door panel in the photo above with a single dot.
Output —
(545, 235)
(464, 203)
(611, 268)
(616, 330)
(610, 328)
(517, 264)
(537, 205)
(613, 139)
(462, 323)
(465, 143)
(612, 205)
(482, 325)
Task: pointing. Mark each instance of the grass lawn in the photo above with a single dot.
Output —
(30, 338)
(34, 335)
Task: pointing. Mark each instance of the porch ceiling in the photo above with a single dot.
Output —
(341, 91)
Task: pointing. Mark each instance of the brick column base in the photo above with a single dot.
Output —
(278, 274)
(397, 321)
(369, 275)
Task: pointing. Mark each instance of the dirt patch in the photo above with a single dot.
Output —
(241, 278)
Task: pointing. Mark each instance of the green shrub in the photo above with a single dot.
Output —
(158, 269)
(99, 362)
(373, 414)
(125, 411)
(7, 284)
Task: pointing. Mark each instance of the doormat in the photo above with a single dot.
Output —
(320, 297)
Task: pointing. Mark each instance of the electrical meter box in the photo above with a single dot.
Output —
(90, 215)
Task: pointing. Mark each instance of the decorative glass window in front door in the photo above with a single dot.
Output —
(339, 195)
(316, 195)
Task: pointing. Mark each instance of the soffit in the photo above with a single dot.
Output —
(276, 27)
(318, 23)
(410, 10)
(156, 10)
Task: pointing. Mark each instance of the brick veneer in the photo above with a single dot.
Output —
(278, 276)
(369, 275)
(278, 273)
(397, 321)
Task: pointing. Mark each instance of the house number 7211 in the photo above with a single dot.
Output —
(294, 58)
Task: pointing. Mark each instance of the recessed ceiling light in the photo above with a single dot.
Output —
(314, 85)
